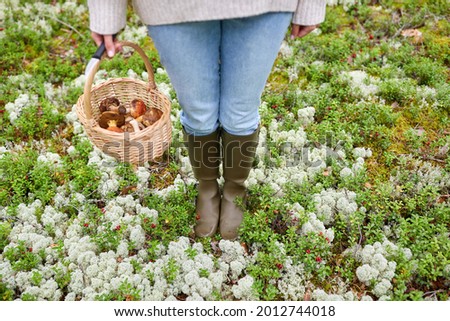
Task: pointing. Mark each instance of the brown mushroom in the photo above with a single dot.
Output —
(109, 104)
(127, 128)
(132, 125)
(111, 121)
(118, 109)
(122, 110)
(114, 128)
(138, 108)
(150, 117)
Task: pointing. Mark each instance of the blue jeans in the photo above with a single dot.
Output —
(219, 68)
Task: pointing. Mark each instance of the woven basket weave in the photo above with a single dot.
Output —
(146, 145)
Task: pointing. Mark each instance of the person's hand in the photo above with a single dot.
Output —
(110, 43)
(299, 31)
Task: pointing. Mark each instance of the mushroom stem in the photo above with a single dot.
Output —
(135, 125)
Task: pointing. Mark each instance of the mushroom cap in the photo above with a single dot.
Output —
(151, 116)
(108, 116)
(106, 103)
(122, 110)
(138, 108)
(132, 125)
(128, 128)
(115, 129)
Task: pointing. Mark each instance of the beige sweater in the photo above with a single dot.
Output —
(109, 16)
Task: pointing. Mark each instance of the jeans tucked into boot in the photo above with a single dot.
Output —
(219, 75)
(238, 156)
(204, 155)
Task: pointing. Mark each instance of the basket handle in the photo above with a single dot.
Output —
(90, 77)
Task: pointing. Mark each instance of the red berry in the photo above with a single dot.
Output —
(103, 210)
(279, 266)
(308, 251)
(117, 228)
(327, 239)
(86, 225)
(318, 259)
(153, 225)
(197, 217)
(30, 249)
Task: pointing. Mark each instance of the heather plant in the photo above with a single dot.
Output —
(6, 294)
(126, 292)
(22, 257)
(25, 179)
(5, 229)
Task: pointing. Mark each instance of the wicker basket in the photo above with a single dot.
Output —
(146, 145)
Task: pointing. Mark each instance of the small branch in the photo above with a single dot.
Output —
(407, 26)
(426, 157)
(433, 292)
(66, 24)
(360, 236)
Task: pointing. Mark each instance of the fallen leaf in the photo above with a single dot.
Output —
(420, 131)
(350, 60)
(443, 198)
(415, 34)
(395, 105)
(127, 190)
(245, 247)
(443, 152)
(216, 249)
(307, 296)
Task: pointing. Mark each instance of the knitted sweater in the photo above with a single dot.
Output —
(109, 16)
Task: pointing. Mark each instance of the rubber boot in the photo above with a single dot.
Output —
(238, 156)
(204, 155)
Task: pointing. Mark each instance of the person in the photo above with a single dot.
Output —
(218, 56)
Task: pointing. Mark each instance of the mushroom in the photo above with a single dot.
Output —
(122, 110)
(127, 128)
(114, 128)
(132, 125)
(118, 109)
(150, 117)
(109, 104)
(138, 108)
(111, 121)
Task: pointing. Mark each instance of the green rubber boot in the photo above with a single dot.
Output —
(204, 155)
(238, 156)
